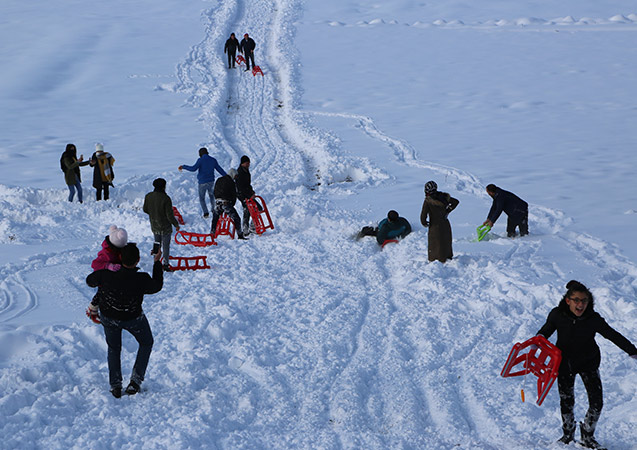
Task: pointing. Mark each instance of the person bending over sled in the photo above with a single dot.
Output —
(577, 322)
(391, 228)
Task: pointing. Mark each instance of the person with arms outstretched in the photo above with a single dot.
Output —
(577, 323)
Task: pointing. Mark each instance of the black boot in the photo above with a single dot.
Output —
(568, 436)
(588, 440)
(132, 388)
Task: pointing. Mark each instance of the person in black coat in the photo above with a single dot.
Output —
(247, 47)
(244, 190)
(231, 49)
(577, 323)
(119, 307)
(515, 208)
(225, 198)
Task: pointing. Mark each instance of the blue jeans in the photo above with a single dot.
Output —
(203, 188)
(140, 329)
(72, 188)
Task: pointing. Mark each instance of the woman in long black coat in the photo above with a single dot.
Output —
(436, 207)
(577, 323)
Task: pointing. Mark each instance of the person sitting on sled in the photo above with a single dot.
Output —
(577, 322)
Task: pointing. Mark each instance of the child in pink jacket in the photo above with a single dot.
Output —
(109, 257)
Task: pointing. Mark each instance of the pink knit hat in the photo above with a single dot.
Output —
(117, 236)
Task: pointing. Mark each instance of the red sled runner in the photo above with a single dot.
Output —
(259, 212)
(225, 226)
(542, 359)
(196, 239)
(256, 70)
(192, 263)
(240, 59)
(180, 220)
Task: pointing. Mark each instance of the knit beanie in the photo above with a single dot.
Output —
(99, 147)
(159, 184)
(245, 159)
(117, 236)
(430, 187)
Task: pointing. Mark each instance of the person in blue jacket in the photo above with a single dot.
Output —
(515, 208)
(392, 227)
(206, 166)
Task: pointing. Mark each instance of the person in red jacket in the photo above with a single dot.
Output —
(109, 257)
(577, 323)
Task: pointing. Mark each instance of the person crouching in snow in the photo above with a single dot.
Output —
(109, 257)
(577, 322)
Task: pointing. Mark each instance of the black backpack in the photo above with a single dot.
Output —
(62, 165)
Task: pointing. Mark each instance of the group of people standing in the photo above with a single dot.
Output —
(117, 305)
(246, 48)
(433, 215)
(103, 175)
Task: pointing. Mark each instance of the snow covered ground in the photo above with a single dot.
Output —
(304, 338)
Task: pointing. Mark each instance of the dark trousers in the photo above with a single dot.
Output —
(231, 58)
(224, 206)
(249, 56)
(140, 329)
(98, 193)
(593, 385)
(521, 220)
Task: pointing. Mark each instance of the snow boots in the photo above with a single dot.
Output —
(569, 435)
(132, 388)
(588, 440)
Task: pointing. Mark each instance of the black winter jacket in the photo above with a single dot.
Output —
(225, 189)
(121, 293)
(576, 338)
(244, 184)
(231, 46)
(508, 202)
(247, 46)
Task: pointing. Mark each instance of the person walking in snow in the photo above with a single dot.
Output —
(70, 165)
(226, 197)
(232, 44)
(390, 228)
(102, 163)
(433, 215)
(515, 208)
(159, 207)
(247, 47)
(119, 307)
(109, 257)
(577, 323)
(245, 192)
(205, 168)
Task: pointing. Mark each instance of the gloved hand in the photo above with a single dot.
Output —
(426, 224)
(113, 267)
(91, 313)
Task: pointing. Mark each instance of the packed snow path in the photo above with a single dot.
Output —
(300, 338)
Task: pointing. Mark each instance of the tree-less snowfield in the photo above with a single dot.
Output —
(303, 337)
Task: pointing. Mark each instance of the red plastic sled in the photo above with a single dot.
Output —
(240, 59)
(225, 226)
(196, 239)
(389, 241)
(180, 219)
(192, 263)
(256, 70)
(542, 359)
(260, 224)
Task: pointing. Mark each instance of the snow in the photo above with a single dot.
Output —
(302, 337)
